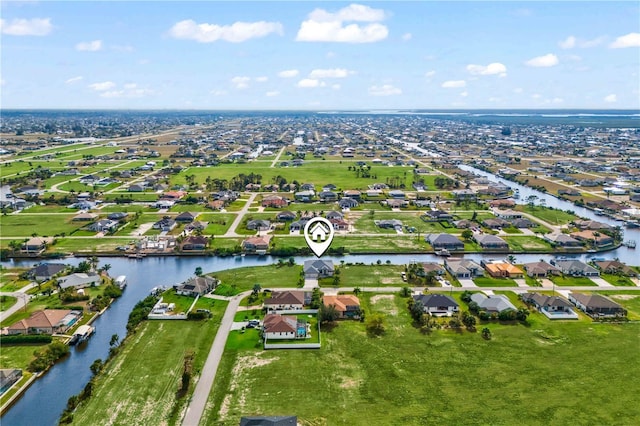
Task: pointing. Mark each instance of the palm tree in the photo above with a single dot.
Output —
(106, 268)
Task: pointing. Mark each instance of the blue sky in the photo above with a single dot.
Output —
(319, 55)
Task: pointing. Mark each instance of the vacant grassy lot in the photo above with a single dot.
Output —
(544, 373)
(142, 381)
(617, 280)
(549, 215)
(24, 225)
(527, 243)
(271, 276)
(571, 281)
(6, 302)
(367, 276)
(494, 282)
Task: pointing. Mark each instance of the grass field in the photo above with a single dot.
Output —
(6, 302)
(617, 280)
(243, 279)
(142, 382)
(569, 281)
(494, 282)
(549, 215)
(527, 243)
(21, 225)
(543, 373)
(367, 276)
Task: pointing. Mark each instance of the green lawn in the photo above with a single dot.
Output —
(141, 383)
(385, 380)
(272, 276)
(367, 276)
(494, 282)
(6, 302)
(548, 214)
(617, 280)
(569, 281)
(527, 243)
(24, 225)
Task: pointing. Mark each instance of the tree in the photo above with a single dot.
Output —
(106, 268)
(256, 289)
(115, 340)
(405, 292)
(467, 234)
(198, 271)
(468, 320)
(522, 314)
(357, 291)
(486, 333)
(96, 367)
(375, 324)
(328, 313)
(416, 310)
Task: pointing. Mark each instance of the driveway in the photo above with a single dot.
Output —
(600, 282)
(310, 284)
(467, 282)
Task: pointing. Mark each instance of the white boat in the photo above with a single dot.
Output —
(443, 252)
(630, 244)
(82, 334)
(121, 281)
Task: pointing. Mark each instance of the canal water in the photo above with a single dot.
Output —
(45, 400)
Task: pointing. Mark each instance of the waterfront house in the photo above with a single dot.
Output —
(45, 271)
(194, 243)
(197, 286)
(48, 321)
(444, 241)
(463, 268)
(257, 245)
(491, 242)
(318, 268)
(575, 268)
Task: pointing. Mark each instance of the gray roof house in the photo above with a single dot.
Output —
(562, 240)
(79, 280)
(553, 307)
(493, 303)
(540, 269)
(596, 305)
(315, 269)
(437, 304)
(46, 271)
(444, 241)
(576, 268)
(195, 286)
(489, 241)
(463, 268)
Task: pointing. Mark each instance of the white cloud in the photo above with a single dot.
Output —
(330, 73)
(122, 48)
(568, 43)
(3, 81)
(495, 99)
(429, 74)
(491, 69)
(272, 93)
(464, 94)
(218, 92)
(262, 79)
(454, 84)
(73, 79)
(518, 90)
(240, 82)
(234, 33)
(548, 60)
(105, 85)
(384, 90)
(26, 27)
(288, 73)
(407, 36)
(336, 86)
(629, 40)
(557, 100)
(571, 42)
(130, 91)
(89, 46)
(611, 98)
(536, 96)
(326, 26)
(310, 82)
(331, 55)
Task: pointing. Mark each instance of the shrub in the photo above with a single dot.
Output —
(25, 338)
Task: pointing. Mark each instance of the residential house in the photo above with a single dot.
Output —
(259, 225)
(491, 242)
(347, 305)
(396, 203)
(285, 216)
(216, 205)
(592, 225)
(318, 268)
(286, 300)
(432, 268)
(523, 223)
(463, 268)
(499, 269)
(79, 280)
(8, 376)
(553, 307)
(257, 245)
(436, 215)
(496, 223)
(592, 237)
(596, 305)
(348, 203)
(104, 225)
(276, 326)
(562, 240)
(173, 195)
(194, 243)
(327, 196)
(136, 187)
(85, 217)
(196, 225)
(186, 217)
(45, 271)
(437, 304)
(49, 321)
(397, 194)
(616, 267)
(575, 268)
(389, 224)
(540, 269)
(353, 194)
(508, 214)
(492, 303)
(165, 224)
(304, 196)
(35, 245)
(444, 241)
(117, 216)
(197, 286)
(339, 224)
(502, 203)
(334, 215)
(298, 225)
(275, 201)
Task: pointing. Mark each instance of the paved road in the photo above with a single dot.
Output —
(205, 383)
(22, 297)
(232, 229)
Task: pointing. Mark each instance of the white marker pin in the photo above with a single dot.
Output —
(319, 233)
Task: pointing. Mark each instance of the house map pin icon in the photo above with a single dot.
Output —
(318, 233)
